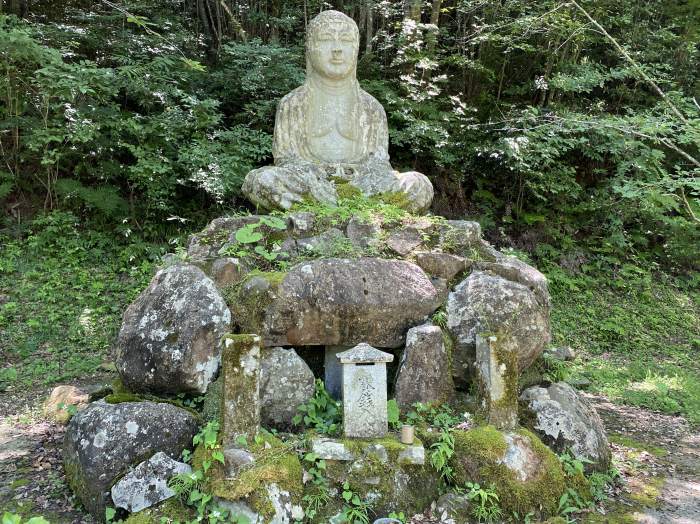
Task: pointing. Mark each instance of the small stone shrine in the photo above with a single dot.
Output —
(364, 391)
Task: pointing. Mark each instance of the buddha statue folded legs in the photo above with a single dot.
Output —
(329, 130)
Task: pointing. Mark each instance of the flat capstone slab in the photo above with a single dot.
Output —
(334, 449)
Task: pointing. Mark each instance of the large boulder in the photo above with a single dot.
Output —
(566, 421)
(169, 339)
(147, 484)
(516, 270)
(424, 369)
(485, 303)
(346, 302)
(526, 475)
(104, 441)
(286, 382)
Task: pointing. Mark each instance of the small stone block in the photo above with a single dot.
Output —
(329, 449)
(413, 455)
(333, 371)
(236, 459)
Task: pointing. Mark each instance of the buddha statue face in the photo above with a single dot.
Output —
(332, 46)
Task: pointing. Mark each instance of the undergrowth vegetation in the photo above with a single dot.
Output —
(65, 289)
(636, 333)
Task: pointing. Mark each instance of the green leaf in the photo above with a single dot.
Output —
(274, 222)
(218, 456)
(109, 514)
(248, 234)
(37, 520)
(11, 518)
(393, 412)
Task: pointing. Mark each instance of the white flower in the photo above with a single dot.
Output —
(541, 84)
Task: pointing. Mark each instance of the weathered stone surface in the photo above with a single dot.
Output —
(169, 339)
(301, 223)
(414, 454)
(364, 391)
(485, 303)
(286, 382)
(227, 272)
(393, 476)
(62, 400)
(330, 129)
(220, 232)
(563, 353)
(516, 270)
(345, 302)
(441, 265)
(236, 459)
(460, 236)
(321, 244)
(147, 484)
(418, 189)
(333, 371)
(404, 240)
(424, 369)
(526, 475)
(455, 506)
(211, 407)
(566, 421)
(497, 378)
(330, 449)
(283, 510)
(241, 388)
(275, 187)
(104, 440)
(363, 234)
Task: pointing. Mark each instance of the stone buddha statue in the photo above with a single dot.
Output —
(329, 130)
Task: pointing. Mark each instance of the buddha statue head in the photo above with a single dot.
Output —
(332, 45)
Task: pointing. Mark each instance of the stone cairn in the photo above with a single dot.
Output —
(357, 291)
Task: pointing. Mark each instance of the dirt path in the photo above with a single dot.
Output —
(659, 458)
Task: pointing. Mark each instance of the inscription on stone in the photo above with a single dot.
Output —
(364, 391)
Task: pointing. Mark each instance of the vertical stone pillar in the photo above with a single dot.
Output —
(333, 371)
(241, 388)
(364, 391)
(497, 373)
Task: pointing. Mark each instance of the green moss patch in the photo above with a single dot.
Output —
(167, 512)
(275, 463)
(248, 308)
(629, 442)
(477, 457)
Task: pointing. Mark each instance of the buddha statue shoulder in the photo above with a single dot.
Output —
(329, 130)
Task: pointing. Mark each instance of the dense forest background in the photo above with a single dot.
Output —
(562, 126)
(569, 129)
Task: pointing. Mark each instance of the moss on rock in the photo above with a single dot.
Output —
(275, 463)
(479, 457)
(167, 512)
(248, 301)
